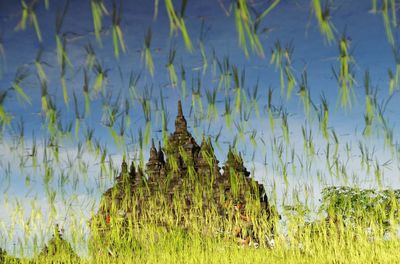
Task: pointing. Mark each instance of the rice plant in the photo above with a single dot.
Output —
(370, 102)
(177, 22)
(246, 28)
(21, 74)
(118, 39)
(345, 75)
(282, 58)
(98, 12)
(65, 130)
(28, 12)
(322, 14)
(148, 59)
(101, 78)
(173, 78)
(324, 117)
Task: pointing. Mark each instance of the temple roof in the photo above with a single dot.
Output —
(180, 121)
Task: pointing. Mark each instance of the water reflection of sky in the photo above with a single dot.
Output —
(291, 22)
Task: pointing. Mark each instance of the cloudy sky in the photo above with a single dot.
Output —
(296, 165)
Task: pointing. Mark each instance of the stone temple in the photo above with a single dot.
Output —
(185, 173)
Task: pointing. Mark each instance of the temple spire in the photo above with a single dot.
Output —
(124, 167)
(180, 121)
(180, 112)
(160, 154)
(153, 151)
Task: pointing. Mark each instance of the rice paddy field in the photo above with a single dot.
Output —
(188, 131)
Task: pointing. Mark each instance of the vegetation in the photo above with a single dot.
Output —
(93, 97)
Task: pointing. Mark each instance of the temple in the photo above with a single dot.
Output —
(181, 171)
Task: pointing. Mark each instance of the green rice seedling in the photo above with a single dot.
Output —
(5, 117)
(269, 107)
(374, 6)
(327, 158)
(386, 21)
(214, 63)
(98, 11)
(285, 127)
(101, 78)
(86, 92)
(90, 56)
(370, 102)
(310, 145)
(203, 56)
(282, 58)
(118, 38)
(157, 111)
(387, 130)
(240, 127)
(277, 55)
(196, 96)
(246, 109)
(290, 78)
(111, 112)
(277, 58)
(378, 173)
(146, 108)
(392, 81)
(183, 81)
(63, 78)
(28, 12)
(225, 74)
(54, 146)
(18, 131)
(78, 115)
(212, 113)
(266, 11)
(322, 15)
(254, 99)
(3, 65)
(252, 138)
(127, 115)
(323, 117)
(201, 46)
(336, 140)
(164, 118)
(238, 84)
(304, 93)
(148, 59)
(394, 9)
(88, 135)
(156, 2)
(21, 74)
(121, 132)
(62, 55)
(39, 66)
(228, 113)
(178, 22)
(246, 29)
(44, 97)
(345, 77)
(132, 86)
(394, 78)
(363, 155)
(173, 78)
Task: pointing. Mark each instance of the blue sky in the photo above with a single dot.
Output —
(290, 22)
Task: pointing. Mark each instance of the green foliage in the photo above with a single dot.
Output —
(362, 206)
